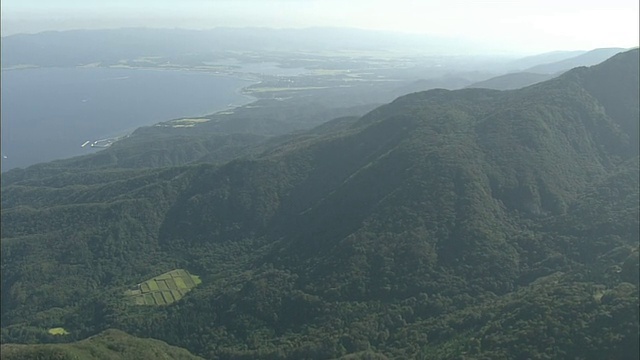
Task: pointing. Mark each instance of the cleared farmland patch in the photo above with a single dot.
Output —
(163, 289)
(58, 331)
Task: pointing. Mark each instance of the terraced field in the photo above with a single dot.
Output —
(163, 289)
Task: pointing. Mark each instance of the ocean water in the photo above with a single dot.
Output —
(48, 113)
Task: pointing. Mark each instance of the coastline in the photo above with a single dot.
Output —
(23, 159)
(119, 135)
(240, 91)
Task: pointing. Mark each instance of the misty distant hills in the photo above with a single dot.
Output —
(540, 68)
(589, 58)
(546, 71)
(445, 82)
(511, 81)
(472, 223)
(81, 47)
(71, 48)
(545, 58)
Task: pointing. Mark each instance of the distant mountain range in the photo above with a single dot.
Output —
(544, 58)
(71, 48)
(446, 82)
(82, 47)
(545, 71)
(589, 58)
(475, 223)
(511, 81)
(539, 68)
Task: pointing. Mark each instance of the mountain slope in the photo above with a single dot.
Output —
(544, 58)
(511, 81)
(445, 82)
(589, 58)
(110, 344)
(419, 229)
(77, 47)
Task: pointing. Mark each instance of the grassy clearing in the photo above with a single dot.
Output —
(187, 122)
(162, 285)
(148, 299)
(180, 283)
(153, 286)
(159, 299)
(163, 289)
(196, 280)
(171, 284)
(168, 298)
(58, 331)
(176, 294)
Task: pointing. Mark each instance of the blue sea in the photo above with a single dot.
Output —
(48, 113)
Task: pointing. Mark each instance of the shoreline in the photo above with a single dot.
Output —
(239, 91)
(241, 99)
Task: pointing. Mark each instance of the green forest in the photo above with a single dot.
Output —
(468, 224)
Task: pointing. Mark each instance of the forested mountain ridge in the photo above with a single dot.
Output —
(441, 225)
(542, 72)
(511, 81)
(588, 58)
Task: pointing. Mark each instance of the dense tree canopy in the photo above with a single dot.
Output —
(472, 224)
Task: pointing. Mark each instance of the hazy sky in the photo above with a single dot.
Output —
(524, 25)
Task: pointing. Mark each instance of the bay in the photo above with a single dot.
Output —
(48, 113)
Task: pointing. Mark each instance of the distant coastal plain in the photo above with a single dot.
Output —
(48, 113)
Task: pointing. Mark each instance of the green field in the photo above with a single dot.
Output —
(58, 331)
(163, 289)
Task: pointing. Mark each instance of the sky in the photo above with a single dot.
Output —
(522, 25)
